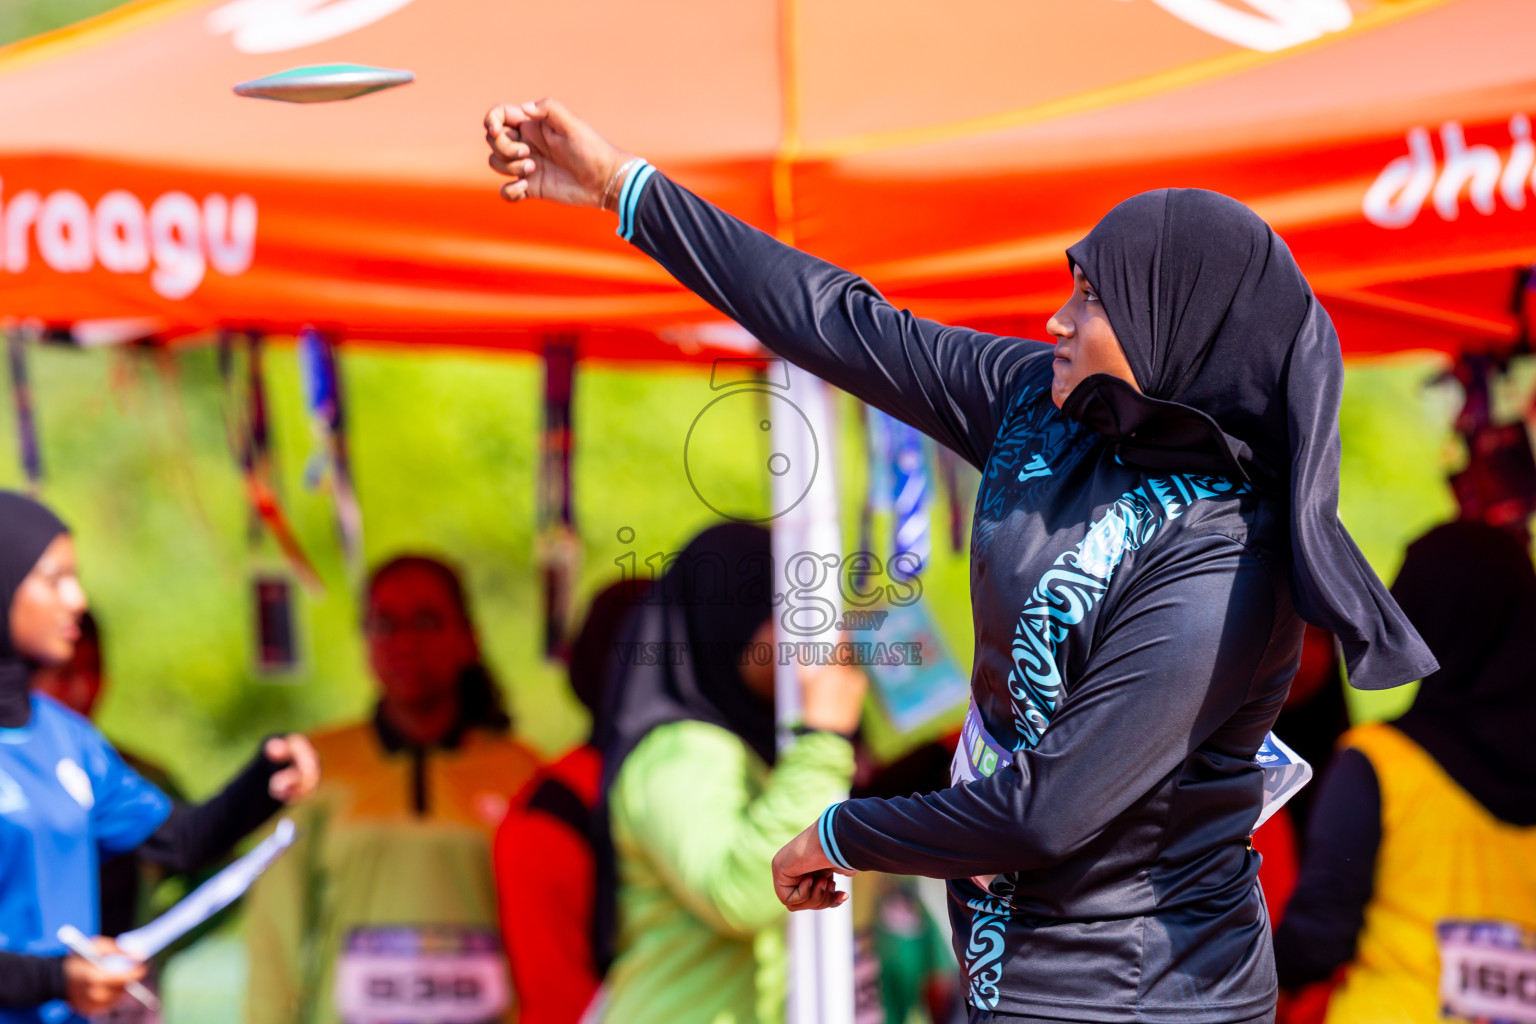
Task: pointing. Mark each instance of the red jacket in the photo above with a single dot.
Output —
(544, 881)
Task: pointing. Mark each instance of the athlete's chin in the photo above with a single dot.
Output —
(1062, 382)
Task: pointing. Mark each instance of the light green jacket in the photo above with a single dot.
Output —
(696, 820)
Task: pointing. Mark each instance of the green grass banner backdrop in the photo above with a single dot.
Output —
(445, 453)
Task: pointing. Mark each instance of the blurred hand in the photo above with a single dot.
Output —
(90, 989)
(832, 697)
(302, 774)
(803, 876)
(550, 154)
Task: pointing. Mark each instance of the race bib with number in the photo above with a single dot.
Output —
(426, 974)
(978, 754)
(1487, 971)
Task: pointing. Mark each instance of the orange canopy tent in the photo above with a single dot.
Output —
(949, 153)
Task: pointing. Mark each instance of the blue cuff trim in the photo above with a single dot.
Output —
(829, 840)
(629, 197)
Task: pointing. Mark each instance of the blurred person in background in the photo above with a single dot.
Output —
(67, 798)
(126, 878)
(698, 800)
(1420, 871)
(920, 979)
(77, 683)
(385, 909)
(1314, 716)
(910, 945)
(545, 863)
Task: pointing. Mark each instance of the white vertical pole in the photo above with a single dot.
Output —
(821, 941)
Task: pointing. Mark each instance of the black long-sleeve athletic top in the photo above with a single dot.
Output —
(1135, 639)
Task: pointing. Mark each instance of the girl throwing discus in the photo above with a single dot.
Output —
(1157, 517)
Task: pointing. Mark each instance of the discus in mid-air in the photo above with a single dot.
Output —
(324, 83)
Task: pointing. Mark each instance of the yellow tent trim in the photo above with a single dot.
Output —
(1140, 88)
(83, 34)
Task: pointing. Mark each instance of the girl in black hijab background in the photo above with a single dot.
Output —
(67, 798)
(1432, 818)
(707, 609)
(545, 852)
(1157, 517)
(697, 799)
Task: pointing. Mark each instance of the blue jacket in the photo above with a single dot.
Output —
(66, 798)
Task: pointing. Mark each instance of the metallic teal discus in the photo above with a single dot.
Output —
(324, 83)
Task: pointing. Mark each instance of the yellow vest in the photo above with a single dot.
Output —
(1455, 888)
(389, 858)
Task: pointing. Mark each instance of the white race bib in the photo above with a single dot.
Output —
(1487, 971)
(978, 755)
(428, 974)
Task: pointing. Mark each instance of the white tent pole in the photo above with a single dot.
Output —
(820, 942)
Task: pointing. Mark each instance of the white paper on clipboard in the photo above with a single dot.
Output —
(209, 898)
(1285, 772)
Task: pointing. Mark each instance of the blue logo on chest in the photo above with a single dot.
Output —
(1036, 466)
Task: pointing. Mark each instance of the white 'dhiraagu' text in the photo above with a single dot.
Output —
(1484, 174)
(174, 240)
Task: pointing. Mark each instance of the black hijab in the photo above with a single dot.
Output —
(26, 530)
(592, 653)
(701, 614)
(1242, 376)
(694, 627)
(1470, 589)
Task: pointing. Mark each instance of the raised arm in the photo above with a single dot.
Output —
(950, 382)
